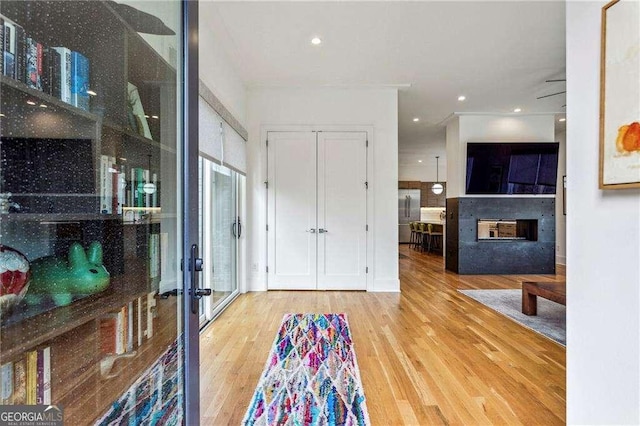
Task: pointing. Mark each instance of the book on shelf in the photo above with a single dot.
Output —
(1, 44)
(65, 73)
(32, 377)
(51, 73)
(6, 383)
(9, 49)
(122, 189)
(140, 181)
(108, 184)
(151, 309)
(34, 68)
(118, 331)
(79, 81)
(21, 55)
(141, 311)
(154, 256)
(130, 326)
(147, 195)
(108, 334)
(20, 381)
(43, 395)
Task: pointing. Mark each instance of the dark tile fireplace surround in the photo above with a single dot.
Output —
(517, 235)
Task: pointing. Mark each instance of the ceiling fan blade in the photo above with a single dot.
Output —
(553, 94)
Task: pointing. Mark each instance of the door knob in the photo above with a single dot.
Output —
(312, 230)
(322, 231)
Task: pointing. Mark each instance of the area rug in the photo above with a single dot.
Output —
(551, 320)
(311, 376)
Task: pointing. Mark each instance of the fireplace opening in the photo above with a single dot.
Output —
(507, 229)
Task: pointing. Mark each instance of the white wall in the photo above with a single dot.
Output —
(454, 160)
(375, 108)
(217, 70)
(603, 251)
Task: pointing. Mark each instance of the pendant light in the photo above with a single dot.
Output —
(437, 187)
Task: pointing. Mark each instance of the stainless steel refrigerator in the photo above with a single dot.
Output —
(408, 211)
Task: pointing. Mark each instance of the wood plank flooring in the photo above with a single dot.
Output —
(427, 356)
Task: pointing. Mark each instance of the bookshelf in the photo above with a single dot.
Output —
(71, 174)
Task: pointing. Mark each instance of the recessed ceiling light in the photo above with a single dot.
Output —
(316, 41)
(154, 116)
(91, 93)
(517, 110)
(419, 161)
(562, 119)
(43, 106)
(31, 102)
(2, 115)
(415, 120)
(462, 98)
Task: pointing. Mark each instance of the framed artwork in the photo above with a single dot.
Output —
(620, 95)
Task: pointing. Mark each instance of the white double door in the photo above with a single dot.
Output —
(317, 210)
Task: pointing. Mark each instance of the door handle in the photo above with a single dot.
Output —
(322, 231)
(236, 228)
(312, 230)
(166, 294)
(195, 265)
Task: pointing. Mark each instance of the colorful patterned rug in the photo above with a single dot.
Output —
(311, 376)
(156, 398)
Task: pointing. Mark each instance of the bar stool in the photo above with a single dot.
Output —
(433, 237)
(422, 231)
(414, 235)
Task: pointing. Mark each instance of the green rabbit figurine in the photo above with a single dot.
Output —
(82, 275)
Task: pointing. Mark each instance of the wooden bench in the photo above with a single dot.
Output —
(531, 290)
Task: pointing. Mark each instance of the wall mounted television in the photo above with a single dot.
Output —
(512, 167)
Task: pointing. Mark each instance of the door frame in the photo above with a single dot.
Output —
(209, 312)
(369, 130)
(189, 197)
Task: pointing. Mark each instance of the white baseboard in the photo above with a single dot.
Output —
(386, 285)
(256, 284)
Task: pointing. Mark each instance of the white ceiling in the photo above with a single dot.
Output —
(498, 54)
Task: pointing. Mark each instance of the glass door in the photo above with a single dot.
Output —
(221, 230)
(95, 212)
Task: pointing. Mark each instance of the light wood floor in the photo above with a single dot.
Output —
(428, 355)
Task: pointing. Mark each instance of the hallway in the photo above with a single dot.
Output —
(428, 355)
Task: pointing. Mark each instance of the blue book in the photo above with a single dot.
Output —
(9, 49)
(79, 81)
(34, 64)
